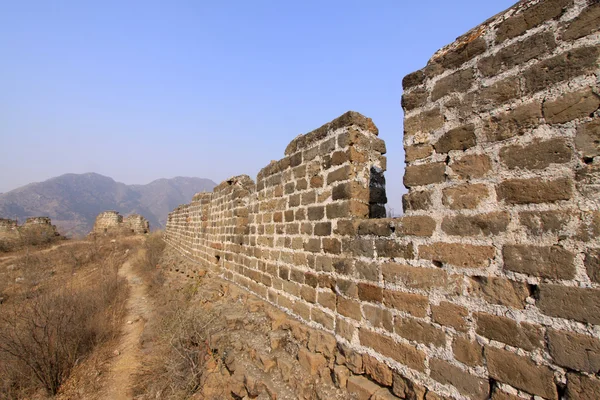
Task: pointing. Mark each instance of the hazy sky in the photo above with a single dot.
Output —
(140, 90)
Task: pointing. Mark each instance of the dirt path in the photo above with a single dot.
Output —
(128, 360)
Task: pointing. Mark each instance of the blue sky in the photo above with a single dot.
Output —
(140, 90)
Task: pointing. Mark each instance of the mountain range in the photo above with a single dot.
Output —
(73, 201)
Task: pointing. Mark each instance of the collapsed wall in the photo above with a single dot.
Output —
(112, 222)
(489, 285)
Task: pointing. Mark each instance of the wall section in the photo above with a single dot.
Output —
(489, 285)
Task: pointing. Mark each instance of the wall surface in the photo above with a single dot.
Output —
(489, 285)
(113, 222)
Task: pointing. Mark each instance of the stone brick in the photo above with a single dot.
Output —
(347, 227)
(316, 213)
(574, 351)
(311, 362)
(312, 245)
(413, 79)
(533, 16)
(500, 395)
(561, 68)
(415, 201)
(368, 292)
(505, 330)
(465, 51)
(359, 246)
(592, 264)
(517, 53)
(537, 155)
(467, 352)
(377, 370)
(517, 121)
(367, 270)
(419, 331)
(302, 309)
(349, 308)
(378, 317)
(322, 229)
(425, 174)
(586, 23)
(574, 303)
(418, 225)
(377, 227)
(544, 261)
(450, 314)
(417, 152)
(461, 255)
(461, 138)
(571, 106)
(340, 174)
(414, 304)
(587, 139)
(490, 224)
(308, 294)
(330, 245)
(323, 318)
(383, 394)
(464, 196)
(393, 249)
(500, 291)
(327, 299)
(538, 223)
(361, 387)
(350, 190)
(582, 387)
(497, 94)
(467, 384)
(426, 122)
(415, 277)
(386, 346)
(459, 81)
(521, 373)
(340, 376)
(344, 328)
(525, 191)
(472, 166)
(414, 99)
(407, 389)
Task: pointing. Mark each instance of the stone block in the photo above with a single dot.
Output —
(490, 224)
(587, 140)
(467, 196)
(535, 190)
(419, 331)
(458, 254)
(524, 335)
(500, 291)
(537, 155)
(415, 201)
(425, 174)
(521, 373)
(461, 138)
(414, 304)
(467, 352)
(533, 16)
(457, 82)
(571, 106)
(450, 314)
(311, 362)
(544, 261)
(377, 370)
(361, 387)
(469, 385)
(574, 303)
(574, 351)
(386, 346)
(586, 23)
(472, 166)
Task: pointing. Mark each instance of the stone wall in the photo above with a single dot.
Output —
(489, 285)
(8, 226)
(136, 224)
(113, 222)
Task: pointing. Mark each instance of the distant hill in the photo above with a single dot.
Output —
(74, 200)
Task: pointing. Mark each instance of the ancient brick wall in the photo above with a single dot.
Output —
(113, 222)
(489, 285)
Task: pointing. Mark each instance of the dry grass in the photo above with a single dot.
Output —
(175, 338)
(60, 304)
